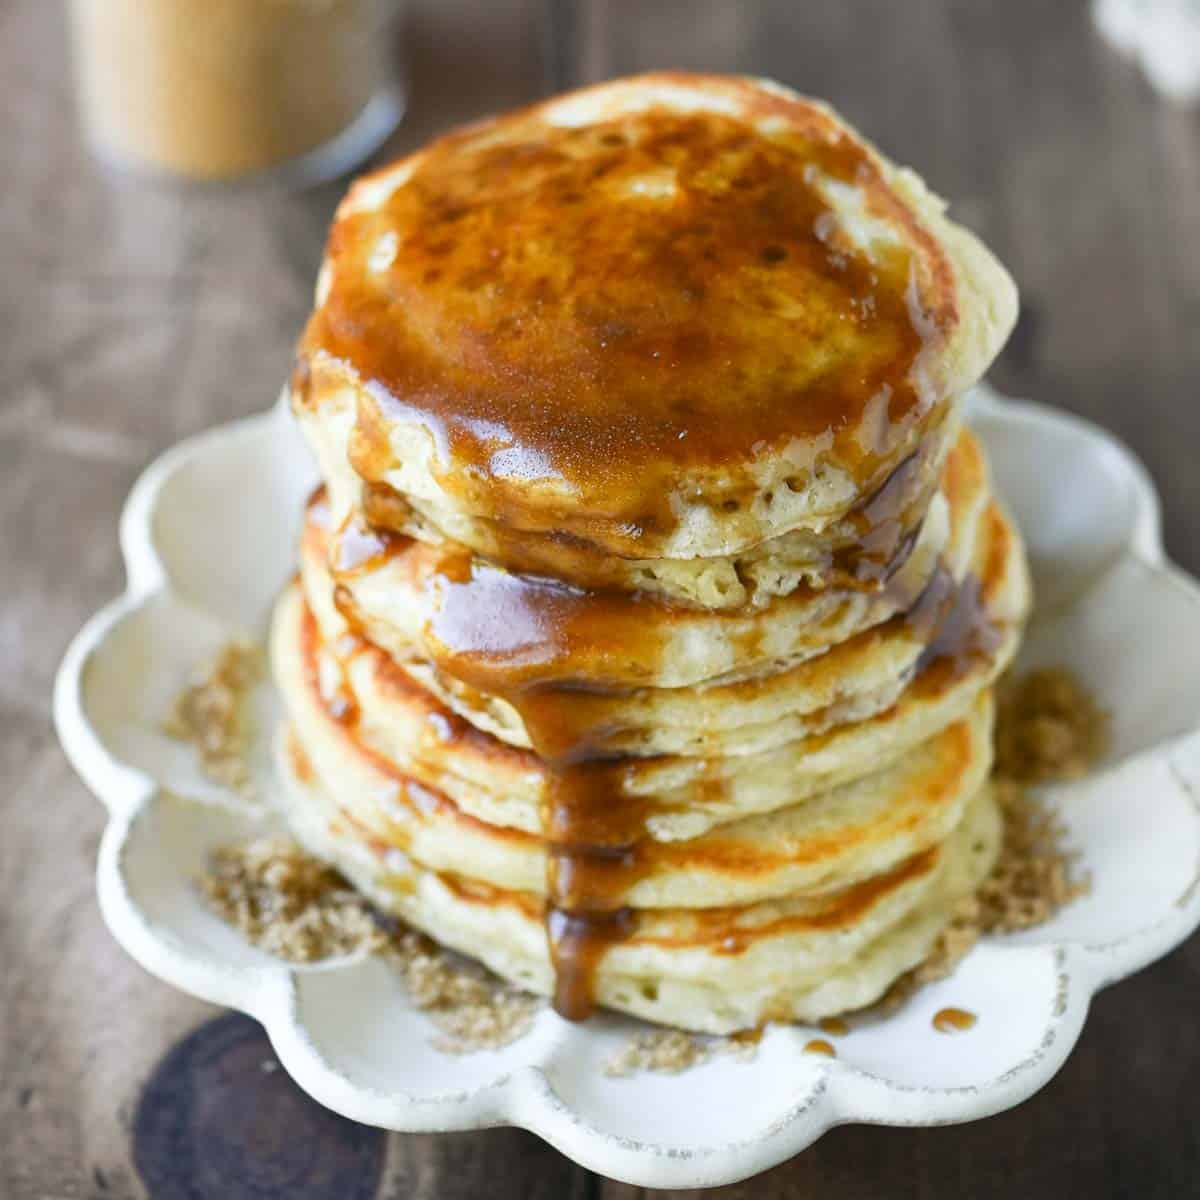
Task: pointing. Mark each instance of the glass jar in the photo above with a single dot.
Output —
(221, 89)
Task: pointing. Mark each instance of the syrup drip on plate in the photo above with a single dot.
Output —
(820, 1046)
(953, 1020)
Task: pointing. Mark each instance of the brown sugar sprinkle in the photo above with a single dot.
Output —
(288, 903)
(671, 1051)
(1031, 881)
(210, 714)
(1048, 727)
(471, 1007)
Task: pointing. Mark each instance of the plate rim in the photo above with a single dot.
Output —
(838, 1093)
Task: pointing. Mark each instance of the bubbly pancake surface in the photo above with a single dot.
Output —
(863, 546)
(670, 305)
(495, 628)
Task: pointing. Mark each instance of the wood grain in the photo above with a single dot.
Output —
(131, 315)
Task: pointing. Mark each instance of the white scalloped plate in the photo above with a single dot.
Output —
(208, 537)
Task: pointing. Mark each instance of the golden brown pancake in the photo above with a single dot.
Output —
(712, 970)
(851, 832)
(858, 550)
(850, 681)
(671, 315)
(442, 604)
(653, 619)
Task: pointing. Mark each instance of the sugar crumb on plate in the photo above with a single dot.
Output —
(1048, 727)
(288, 903)
(210, 714)
(471, 1007)
(285, 901)
(672, 1051)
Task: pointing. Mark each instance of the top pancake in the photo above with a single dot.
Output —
(862, 548)
(671, 316)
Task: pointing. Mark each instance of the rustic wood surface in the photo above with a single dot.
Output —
(132, 315)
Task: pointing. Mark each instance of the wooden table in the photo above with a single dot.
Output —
(131, 316)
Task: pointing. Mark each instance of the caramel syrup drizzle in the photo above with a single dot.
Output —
(592, 825)
(668, 345)
(953, 1020)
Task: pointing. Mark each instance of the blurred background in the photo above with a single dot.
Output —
(135, 310)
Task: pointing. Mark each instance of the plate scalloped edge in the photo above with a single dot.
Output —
(826, 1092)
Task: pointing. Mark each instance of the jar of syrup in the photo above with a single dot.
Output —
(223, 89)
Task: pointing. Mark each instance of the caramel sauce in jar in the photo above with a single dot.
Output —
(225, 88)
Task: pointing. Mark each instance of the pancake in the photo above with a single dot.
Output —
(852, 832)
(439, 605)
(710, 970)
(644, 636)
(413, 599)
(680, 797)
(865, 546)
(851, 681)
(593, 855)
(670, 317)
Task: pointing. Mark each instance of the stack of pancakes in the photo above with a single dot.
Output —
(644, 635)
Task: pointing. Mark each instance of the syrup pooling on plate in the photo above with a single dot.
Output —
(953, 1020)
(608, 306)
